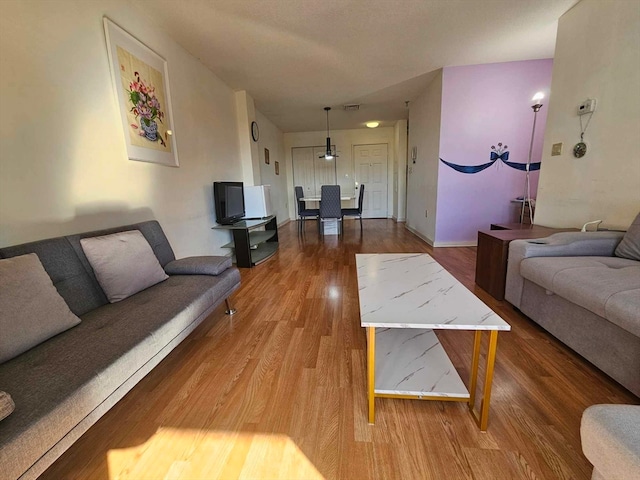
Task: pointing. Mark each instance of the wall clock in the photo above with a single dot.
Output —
(255, 133)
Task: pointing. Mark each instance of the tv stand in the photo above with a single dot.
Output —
(252, 246)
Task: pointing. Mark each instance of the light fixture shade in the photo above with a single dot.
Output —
(372, 124)
(538, 97)
(328, 155)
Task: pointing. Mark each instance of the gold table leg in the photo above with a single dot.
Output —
(371, 371)
(483, 418)
(474, 368)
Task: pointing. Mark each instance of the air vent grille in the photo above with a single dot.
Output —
(353, 107)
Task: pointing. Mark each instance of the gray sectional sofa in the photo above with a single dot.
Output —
(64, 385)
(584, 288)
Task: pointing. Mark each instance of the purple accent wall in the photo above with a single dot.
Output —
(481, 106)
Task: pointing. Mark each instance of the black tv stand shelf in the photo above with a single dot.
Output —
(252, 247)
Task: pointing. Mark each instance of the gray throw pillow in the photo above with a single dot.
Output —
(123, 262)
(31, 309)
(629, 247)
(6, 405)
(209, 265)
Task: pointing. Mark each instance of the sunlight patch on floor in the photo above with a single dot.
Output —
(181, 454)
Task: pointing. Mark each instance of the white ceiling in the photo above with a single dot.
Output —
(295, 57)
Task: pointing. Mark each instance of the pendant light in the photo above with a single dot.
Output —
(328, 155)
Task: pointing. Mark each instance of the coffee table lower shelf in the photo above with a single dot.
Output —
(411, 363)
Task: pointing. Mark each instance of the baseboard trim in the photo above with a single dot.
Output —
(456, 244)
(419, 235)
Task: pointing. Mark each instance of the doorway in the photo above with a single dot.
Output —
(370, 162)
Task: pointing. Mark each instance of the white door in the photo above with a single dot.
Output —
(371, 170)
(303, 173)
(310, 171)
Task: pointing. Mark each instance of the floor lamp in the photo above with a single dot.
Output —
(526, 198)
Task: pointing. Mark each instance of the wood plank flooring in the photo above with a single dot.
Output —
(279, 390)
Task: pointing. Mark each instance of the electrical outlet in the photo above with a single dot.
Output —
(556, 149)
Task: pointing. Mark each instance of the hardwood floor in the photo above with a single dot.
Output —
(279, 389)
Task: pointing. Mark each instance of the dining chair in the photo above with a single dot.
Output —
(303, 211)
(356, 212)
(330, 205)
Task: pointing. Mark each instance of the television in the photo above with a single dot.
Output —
(228, 198)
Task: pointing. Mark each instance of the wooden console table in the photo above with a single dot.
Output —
(493, 251)
(252, 247)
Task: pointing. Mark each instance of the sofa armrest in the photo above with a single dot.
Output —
(610, 437)
(563, 244)
(208, 265)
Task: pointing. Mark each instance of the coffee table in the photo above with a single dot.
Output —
(403, 299)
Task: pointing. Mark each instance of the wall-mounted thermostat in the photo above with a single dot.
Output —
(588, 106)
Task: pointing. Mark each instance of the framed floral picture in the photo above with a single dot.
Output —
(266, 156)
(277, 168)
(141, 80)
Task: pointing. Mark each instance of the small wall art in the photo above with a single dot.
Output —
(266, 156)
(141, 80)
(277, 167)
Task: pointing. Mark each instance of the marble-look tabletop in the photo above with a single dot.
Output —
(412, 290)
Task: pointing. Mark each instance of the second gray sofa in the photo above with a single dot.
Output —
(574, 286)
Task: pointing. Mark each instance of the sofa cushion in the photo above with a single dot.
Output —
(123, 263)
(629, 247)
(31, 309)
(110, 345)
(209, 265)
(606, 286)
(6, 405)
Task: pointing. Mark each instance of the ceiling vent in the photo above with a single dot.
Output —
(353, 107)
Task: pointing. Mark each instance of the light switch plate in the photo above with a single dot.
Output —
(556, 149)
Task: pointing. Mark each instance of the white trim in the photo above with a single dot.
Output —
(419, 235)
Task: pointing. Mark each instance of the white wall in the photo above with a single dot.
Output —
(422, 184)
(344, 140)
(273, 139)
(400, 172)
(249, 152)
(596, 57)
(63, 163)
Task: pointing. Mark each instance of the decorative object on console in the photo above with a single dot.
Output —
(328, 154)
(585, 227)
(141, 80)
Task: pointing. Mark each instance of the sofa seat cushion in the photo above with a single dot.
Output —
(59, 382)
(606, 286)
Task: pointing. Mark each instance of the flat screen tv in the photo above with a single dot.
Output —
(228, 198)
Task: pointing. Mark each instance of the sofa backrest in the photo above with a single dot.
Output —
(69, 269)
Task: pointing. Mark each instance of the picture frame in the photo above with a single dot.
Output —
(140, 78)
(266, 156)
(277, 165)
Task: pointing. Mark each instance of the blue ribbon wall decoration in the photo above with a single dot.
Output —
(499, 153)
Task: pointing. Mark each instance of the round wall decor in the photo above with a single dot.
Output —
(255, 133)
